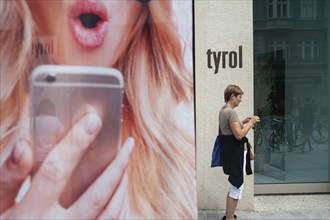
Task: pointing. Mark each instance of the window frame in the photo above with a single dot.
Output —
(313, 10)
(278, 9)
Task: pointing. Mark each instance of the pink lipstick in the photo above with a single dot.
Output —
(88, 22)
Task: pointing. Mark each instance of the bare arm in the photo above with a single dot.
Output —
(239, 132)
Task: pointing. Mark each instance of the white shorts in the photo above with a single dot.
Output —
(234, 192)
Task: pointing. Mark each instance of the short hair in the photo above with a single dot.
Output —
(232, 89)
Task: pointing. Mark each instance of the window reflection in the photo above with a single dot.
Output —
(291, 70)
(278, 8)
(308, 9)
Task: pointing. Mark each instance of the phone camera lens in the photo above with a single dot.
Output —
(51, 77)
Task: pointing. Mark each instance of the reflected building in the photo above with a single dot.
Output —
(291, 65)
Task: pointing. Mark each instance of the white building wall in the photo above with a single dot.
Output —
(220, 25)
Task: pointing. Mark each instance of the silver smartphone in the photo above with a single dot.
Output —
(60, 95)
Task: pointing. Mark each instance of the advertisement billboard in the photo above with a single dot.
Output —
(97, 110)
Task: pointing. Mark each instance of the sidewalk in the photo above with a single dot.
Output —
(280, 207)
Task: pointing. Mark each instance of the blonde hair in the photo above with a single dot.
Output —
(15, 38)
(162, 169)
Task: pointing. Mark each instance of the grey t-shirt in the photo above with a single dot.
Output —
(226, 116)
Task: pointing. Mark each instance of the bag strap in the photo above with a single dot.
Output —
(219, 131)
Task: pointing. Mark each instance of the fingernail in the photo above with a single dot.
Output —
(17, 151)
(92, 124)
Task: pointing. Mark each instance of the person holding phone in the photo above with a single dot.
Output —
(139, 38)
(235, 155)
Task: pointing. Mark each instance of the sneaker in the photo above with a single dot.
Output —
(224, 217)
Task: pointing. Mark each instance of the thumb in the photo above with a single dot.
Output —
(13, 173)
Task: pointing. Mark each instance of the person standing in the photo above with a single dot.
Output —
(235, 153)
(306, 118)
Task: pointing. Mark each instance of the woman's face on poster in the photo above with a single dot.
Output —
(85, 32)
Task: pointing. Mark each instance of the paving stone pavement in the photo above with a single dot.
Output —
(315, 207)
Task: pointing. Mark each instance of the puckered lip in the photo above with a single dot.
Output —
(88, 37)
(88, 6)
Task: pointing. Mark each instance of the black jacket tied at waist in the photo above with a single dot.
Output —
(232, 152)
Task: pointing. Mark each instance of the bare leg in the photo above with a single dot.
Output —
(304, 143)
(309, 143)
(231, 205)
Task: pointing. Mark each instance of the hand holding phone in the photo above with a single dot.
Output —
(60, 95)
(104, 199)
